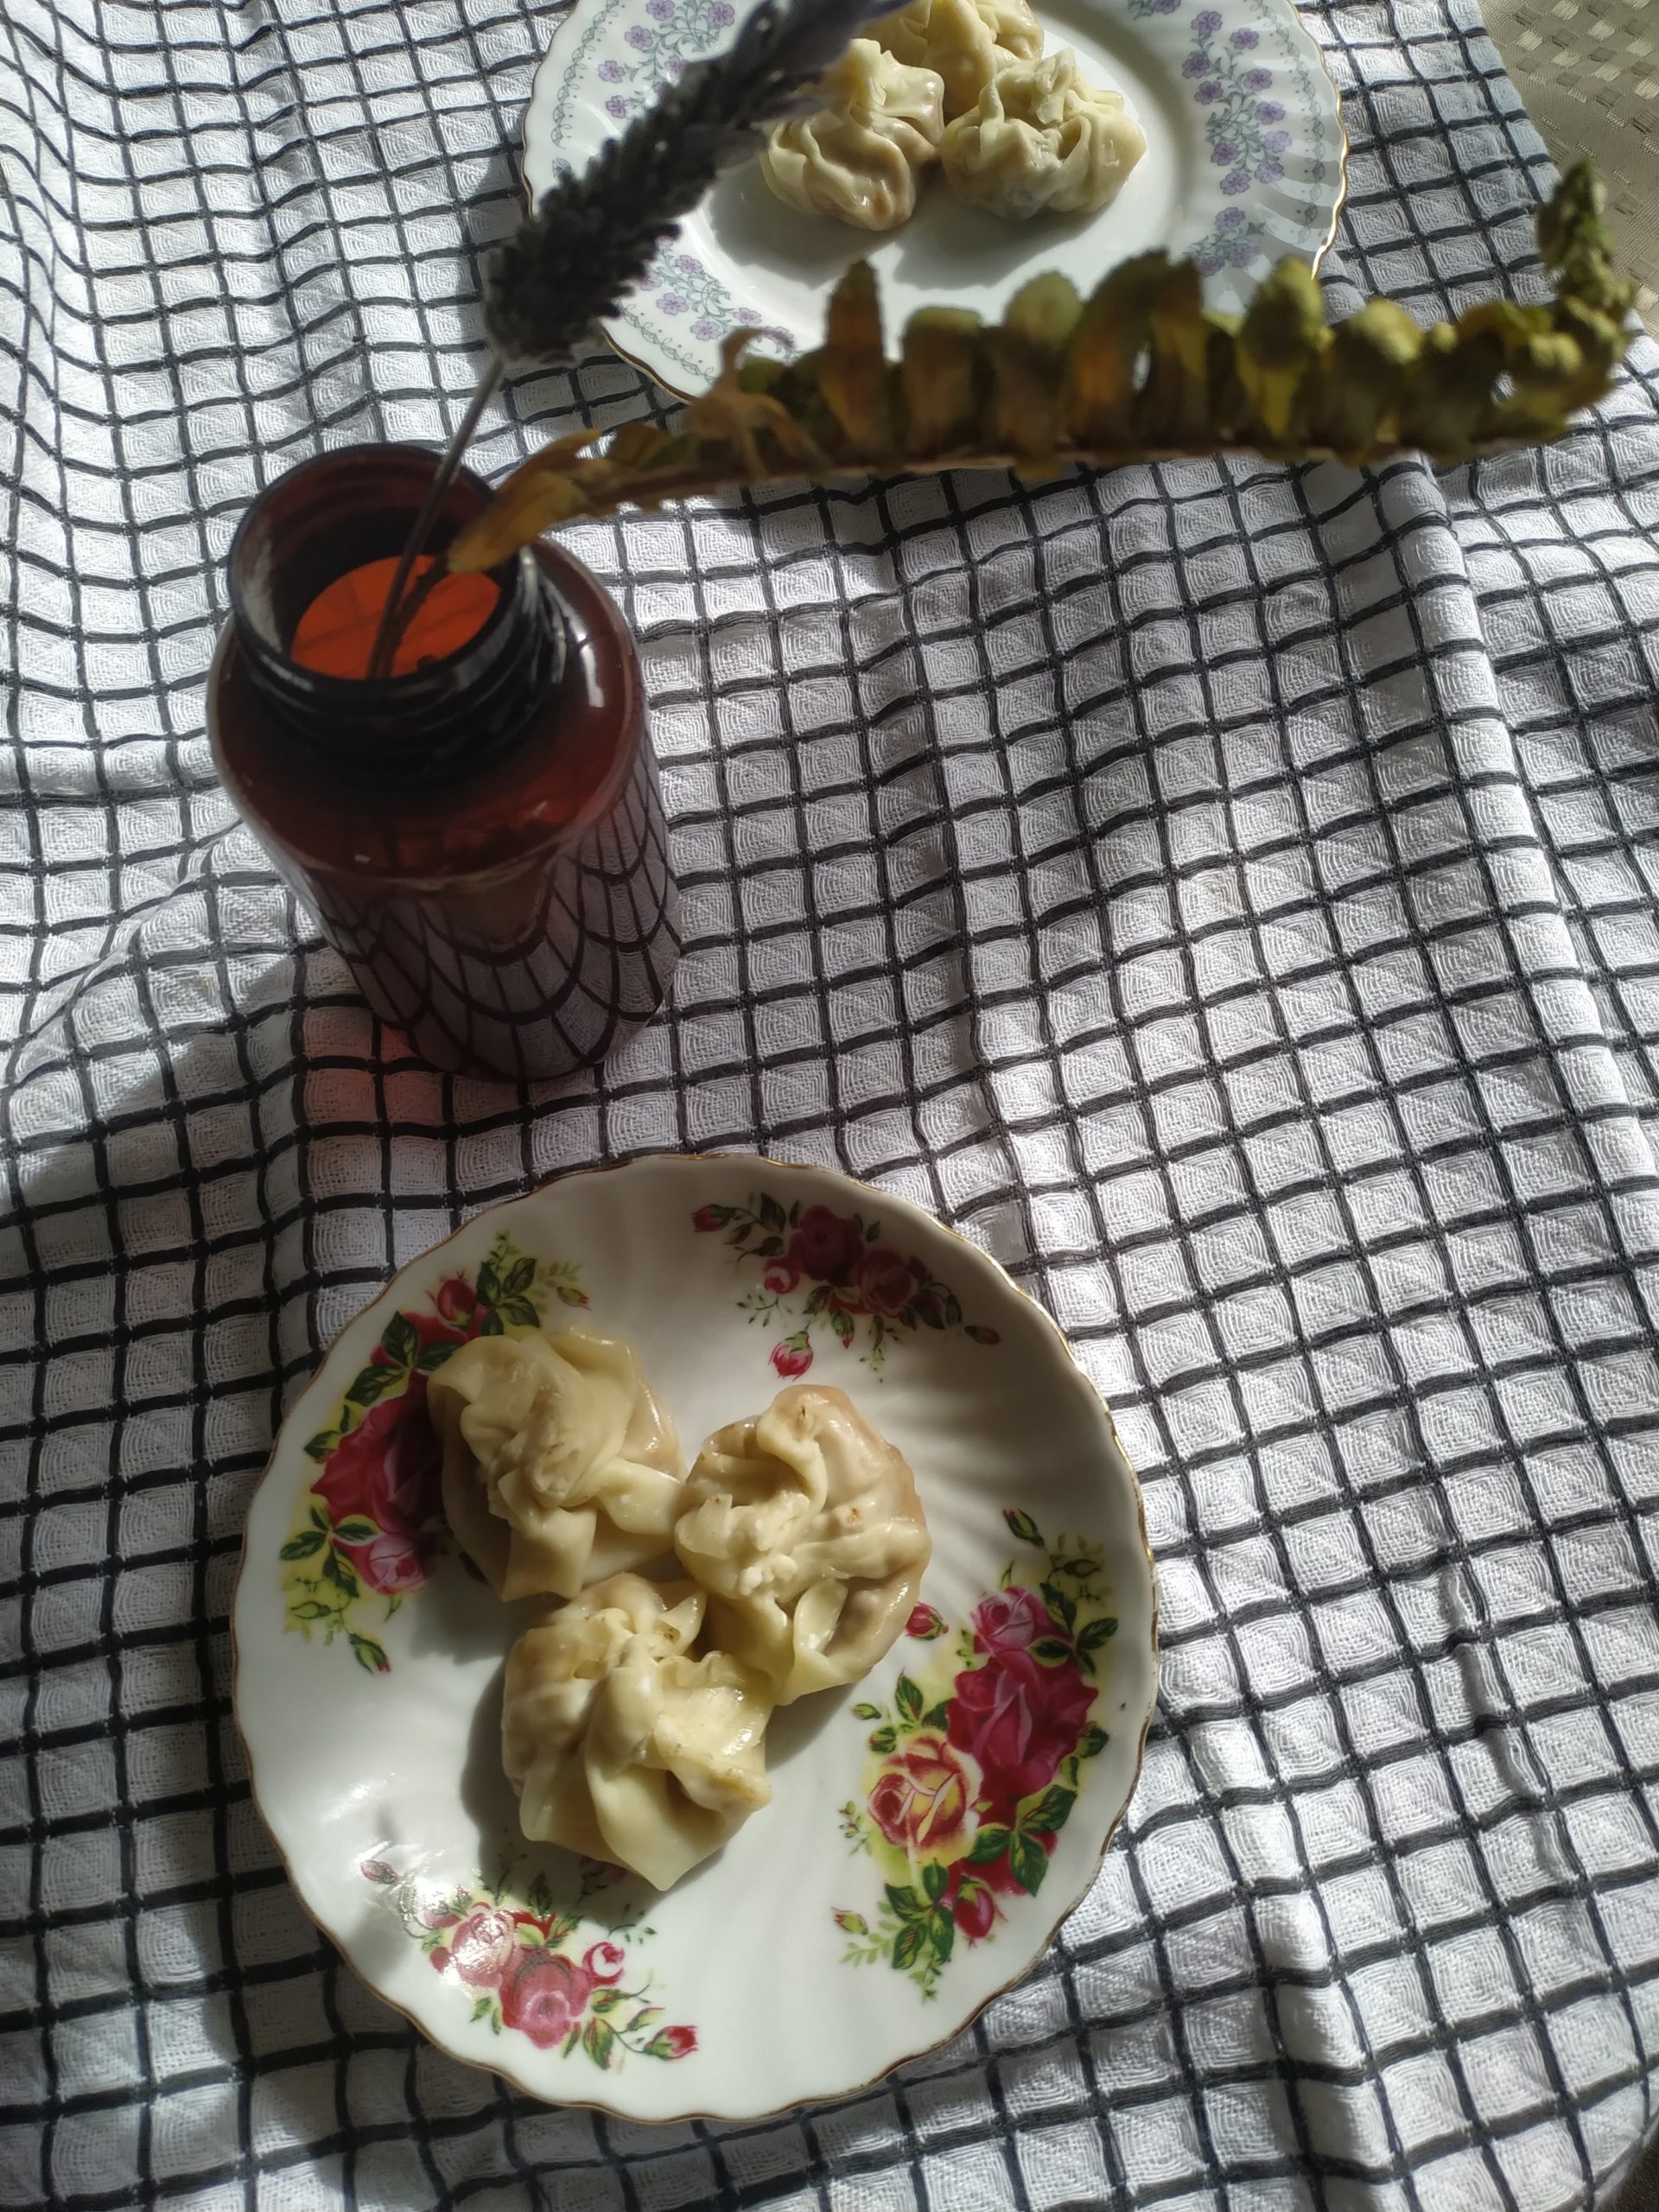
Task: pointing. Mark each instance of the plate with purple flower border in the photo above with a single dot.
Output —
(1244, 164)
(931, 1826)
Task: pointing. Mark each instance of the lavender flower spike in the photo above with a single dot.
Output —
(593, 235)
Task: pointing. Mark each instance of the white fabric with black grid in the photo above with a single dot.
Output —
(1226, 893)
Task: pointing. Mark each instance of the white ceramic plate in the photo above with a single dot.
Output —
(1243, 164)
(930, 1826)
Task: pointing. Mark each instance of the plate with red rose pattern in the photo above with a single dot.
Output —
(930, 1826)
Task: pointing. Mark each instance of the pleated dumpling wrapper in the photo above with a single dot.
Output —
(857, 157)
(620, 1744)
(965, 42)
(803, 1526)
(559, 1465)
(1041, 138)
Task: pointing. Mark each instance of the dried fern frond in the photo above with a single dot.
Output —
(1141, 371)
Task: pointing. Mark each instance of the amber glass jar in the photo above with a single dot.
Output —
(480, 833)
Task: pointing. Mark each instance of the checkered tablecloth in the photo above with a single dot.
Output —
(1226, 893)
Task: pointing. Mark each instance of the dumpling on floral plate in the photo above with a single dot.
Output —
(1041, 138)
(803, 1526)
(965, 41)
(858, 157)
(560, 1467)
(624, 1747)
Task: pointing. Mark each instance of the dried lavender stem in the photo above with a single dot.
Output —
(395, 616)
(411, 603)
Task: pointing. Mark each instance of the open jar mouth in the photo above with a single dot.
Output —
(446, 718)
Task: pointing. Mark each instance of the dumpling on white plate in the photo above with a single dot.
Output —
(1040, 136)
(559, 1465)
(857, 158)
(803, 1526)
(620, 1744)
(966, 42)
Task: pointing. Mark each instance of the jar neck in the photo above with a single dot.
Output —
(444, 720)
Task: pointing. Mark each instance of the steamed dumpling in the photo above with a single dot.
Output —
(857, 158)
(559, 1465)
(803, 1526)
(1042, 138)
(620, 1744)
(965, 41)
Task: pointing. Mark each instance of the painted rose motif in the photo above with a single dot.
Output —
(372, 1516)
(483, 1947)
(977, 1767)
(604, 1963)
(524, 1980)
(826, 1246)
(386, 1470)
(885, 1283)
(975, 1911)
(545, 1999)
(858, 1284)
(923, 1795)
(1018, 1720)
(391, 1564)
(1010, 1620)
